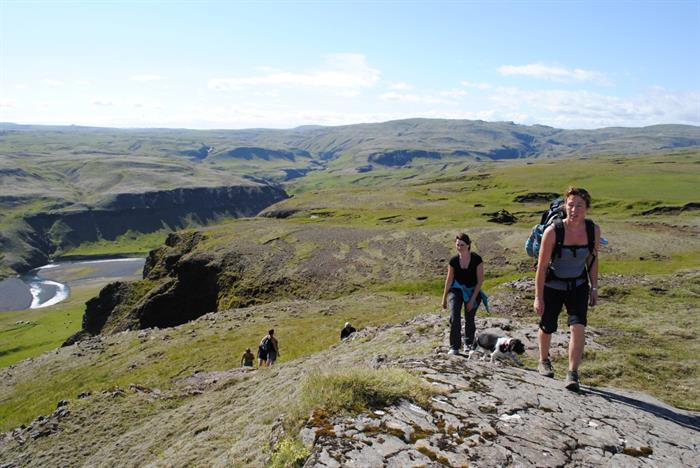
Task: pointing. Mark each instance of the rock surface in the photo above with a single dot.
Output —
(498, 415)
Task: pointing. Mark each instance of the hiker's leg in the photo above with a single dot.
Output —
(544, 340)
(553, 303)
(469, 326)
(577, 309)
(454, 301)
(578, 339)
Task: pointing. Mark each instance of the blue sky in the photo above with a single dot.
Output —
(228, 64)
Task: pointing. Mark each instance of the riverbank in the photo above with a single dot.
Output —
(51, 284)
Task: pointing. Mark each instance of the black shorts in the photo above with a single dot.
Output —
(576, 301)
(262, 354)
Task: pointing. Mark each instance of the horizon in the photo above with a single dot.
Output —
(99, 127)
(283, 65)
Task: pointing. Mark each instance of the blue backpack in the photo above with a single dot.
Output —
(555, 212)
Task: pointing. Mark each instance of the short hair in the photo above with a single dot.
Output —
(580, 192)
(464, 238)
(271, 332)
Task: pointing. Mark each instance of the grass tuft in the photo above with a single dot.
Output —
(357, 390)
(289, 453)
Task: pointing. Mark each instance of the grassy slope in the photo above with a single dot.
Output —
(621, 191)
(304, 328)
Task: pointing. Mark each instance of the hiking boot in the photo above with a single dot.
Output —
(453, 352)
(572, 381)
(545, 368)
(467, 348)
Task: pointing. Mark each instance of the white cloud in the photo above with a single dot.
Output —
(273, 93)
(145, 78)
(52, 82)
(266, 69)
(454, 93)
(7, 104)
(400, 86)
(414, 98)
(145, 105)
(555, 73)
(585, 109)
(83, 83)
(341, 71)
(19, 86)
(400, 97)
(103, 103)
(470, 84)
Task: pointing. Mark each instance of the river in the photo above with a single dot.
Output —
(50, 284)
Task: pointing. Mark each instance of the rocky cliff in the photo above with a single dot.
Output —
(195, 273)
(45, 233)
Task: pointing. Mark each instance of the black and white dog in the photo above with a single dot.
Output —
(498, 347)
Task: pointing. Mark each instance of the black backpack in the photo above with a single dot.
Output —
(267, 345)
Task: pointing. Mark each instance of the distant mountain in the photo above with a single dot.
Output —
(378, 143)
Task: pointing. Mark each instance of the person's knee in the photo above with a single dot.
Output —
(548, 327)
(453, 302)
(577, 321)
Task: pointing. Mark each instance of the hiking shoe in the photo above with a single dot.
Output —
(453, 351)
(572, 381)
(467, 348)
(545, 368)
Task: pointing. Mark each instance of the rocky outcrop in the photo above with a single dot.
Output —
(536, 197)
(192, 293)
(501, 217)
(504, 416)
(692, 206)
(200, 272)
(161, 261)
(498, 415)
(178, 286)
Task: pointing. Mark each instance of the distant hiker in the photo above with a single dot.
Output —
(347, 331)
(269, 347)
(465, 275)
(247, 358)
(567, 273)
(262, 351)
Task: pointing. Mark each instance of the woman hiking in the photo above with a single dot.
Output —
(567, 274)
(465, 275)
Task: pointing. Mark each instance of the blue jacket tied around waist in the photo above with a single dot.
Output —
(467, 294)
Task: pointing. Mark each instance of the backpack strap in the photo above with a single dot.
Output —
(558, 237)
(590, 234)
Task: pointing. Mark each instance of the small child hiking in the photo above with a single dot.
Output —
(247, 358)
